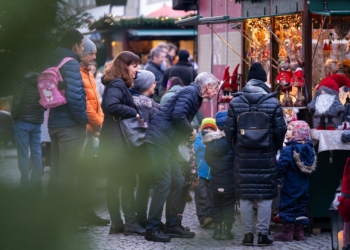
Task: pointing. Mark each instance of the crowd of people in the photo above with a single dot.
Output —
(167, 96)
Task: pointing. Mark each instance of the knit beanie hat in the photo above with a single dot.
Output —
(183, 55)
(220, 119)
(301, 130)
(89, 47)
(144, 79)
(257, 72)
(209, 123)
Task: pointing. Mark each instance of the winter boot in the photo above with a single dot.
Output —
(179, 224)
(248, 239)
(226, 232)
(116, 227)
(286, 234)
(132, 227)
(217, 231)
(263, 240)
(298, 233)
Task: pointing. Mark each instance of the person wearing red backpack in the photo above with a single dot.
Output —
(67, 123)
(95, 120)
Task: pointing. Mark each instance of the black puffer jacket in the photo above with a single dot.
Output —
(219, 157)
(255, 173)
(117, 102)
(173, 122)
(155, 69)
(25, 102)
(147, 106)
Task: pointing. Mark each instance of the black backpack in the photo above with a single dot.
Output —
(254, 127)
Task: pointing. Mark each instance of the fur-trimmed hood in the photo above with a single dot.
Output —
(211, 136)
(142, 101)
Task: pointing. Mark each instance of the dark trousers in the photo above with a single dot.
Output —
(223, 210)
(121, 179)
(85, 176)
(145, 181)
(183, 199)
(168, 182)
(66, 146)
(204, 199)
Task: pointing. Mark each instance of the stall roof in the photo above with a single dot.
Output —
(331, 12)
(156, 32)
(197, 20)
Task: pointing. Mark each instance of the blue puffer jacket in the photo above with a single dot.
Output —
(172, 124)
(73, 113)
(219, 156)
(202, 166)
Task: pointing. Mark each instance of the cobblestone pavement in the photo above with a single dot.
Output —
(98, 238)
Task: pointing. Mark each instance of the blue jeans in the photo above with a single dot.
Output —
(28, 136)
(168, 182)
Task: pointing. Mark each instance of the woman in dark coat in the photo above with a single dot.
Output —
(117, 103)
(142, 93)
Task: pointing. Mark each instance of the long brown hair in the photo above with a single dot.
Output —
(119, 67)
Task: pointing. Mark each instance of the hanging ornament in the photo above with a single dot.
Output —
(325, 48)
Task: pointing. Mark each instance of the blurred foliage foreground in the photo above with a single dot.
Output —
(31, 28)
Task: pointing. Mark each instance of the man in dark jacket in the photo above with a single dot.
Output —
(28, 115)
(255, 173)
(158, 57)
(183, 69)
(67, 123)
(171, 126)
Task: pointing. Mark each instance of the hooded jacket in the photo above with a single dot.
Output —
(219, 156)
(25, 102)
(72, 113)
(147, 106)
(255, 172)
(202, 166)
(169, 94)
(93, 106)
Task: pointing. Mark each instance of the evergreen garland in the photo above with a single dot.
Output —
(139, 22)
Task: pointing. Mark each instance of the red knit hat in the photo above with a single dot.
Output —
(334, 82)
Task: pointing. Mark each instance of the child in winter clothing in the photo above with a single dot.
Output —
(203, 194)
(296, 163)
(219, 157)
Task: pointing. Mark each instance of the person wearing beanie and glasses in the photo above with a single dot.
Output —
(142, 92)
(219, 156)
(95, 120)
(254, 168)
(203, 194)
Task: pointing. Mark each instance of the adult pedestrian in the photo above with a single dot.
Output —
(28, 115)
(154, 65)
(255, 172)
(171, 126)
(67, 123)
(117, 104)
(182, 69)
(142, 91)
(95, 120)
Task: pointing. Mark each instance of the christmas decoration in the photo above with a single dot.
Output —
(283, 79)
(298, 81)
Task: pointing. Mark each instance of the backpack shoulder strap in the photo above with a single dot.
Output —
(66, 59)
(244, 99)
(262, 99)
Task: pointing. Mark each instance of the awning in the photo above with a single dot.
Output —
(155, 32)
(331, 12)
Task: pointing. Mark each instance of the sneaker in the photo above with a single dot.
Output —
(177, 232)
(206, 222)
(263, 240)
(248, 239)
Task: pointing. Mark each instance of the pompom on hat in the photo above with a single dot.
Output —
(334, 82)
(209, 123)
